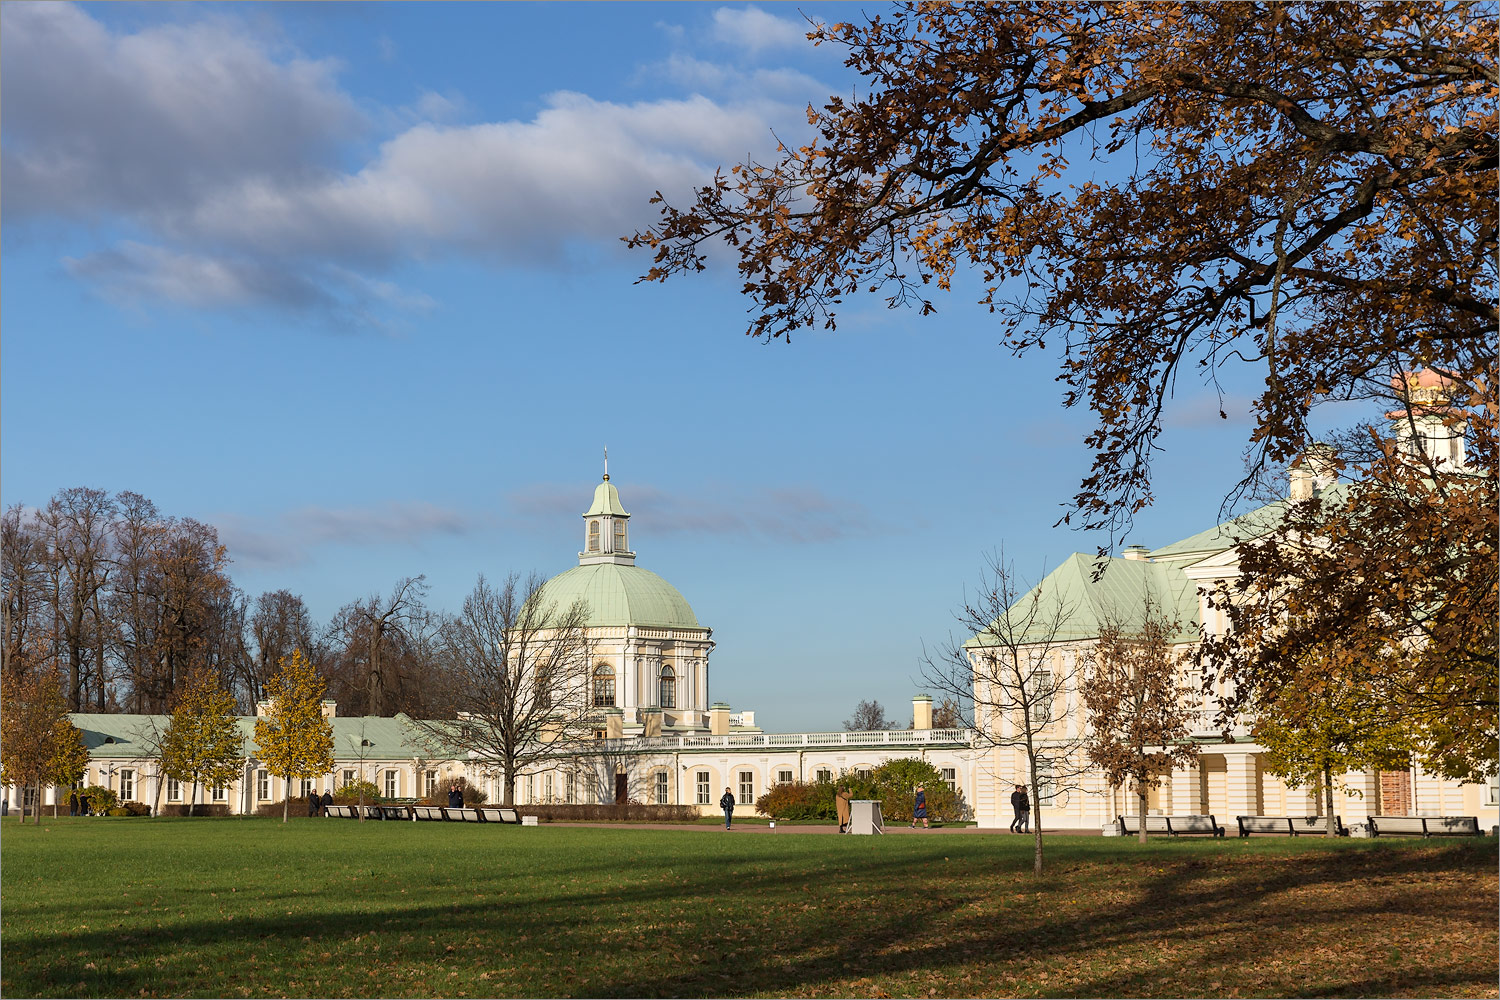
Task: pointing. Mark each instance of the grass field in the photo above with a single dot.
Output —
(327, 908)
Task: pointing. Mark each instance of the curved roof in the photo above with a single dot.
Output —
(622, 595)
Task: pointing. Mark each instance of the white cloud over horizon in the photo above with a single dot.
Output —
(227, 161)
(284, 540)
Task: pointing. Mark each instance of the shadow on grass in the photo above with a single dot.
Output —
(739, 918)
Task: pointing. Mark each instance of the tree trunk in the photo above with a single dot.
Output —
(510, 786)
(1036, 829)
(1328, 803)
(1142, 796)
(193, 804)
(286, 798)
(37, 811)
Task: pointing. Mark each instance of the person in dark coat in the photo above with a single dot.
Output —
(726, 803)
(1022, 806)
(314, 804)
(73, 804)
(326, 801)
(455, 797)
(919, 810)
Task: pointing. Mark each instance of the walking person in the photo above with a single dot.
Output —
(326, 801)
(455, 797)
(841, 806)
(919, 809)
(314, 804)
(726, 803)
(1022, 807)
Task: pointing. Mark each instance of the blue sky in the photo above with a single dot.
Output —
(345, 281)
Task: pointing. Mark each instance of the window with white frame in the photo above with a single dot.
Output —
(590, 791)
(1039, 690)
(593, 536)
(174, 790)
(430, 783)
(950, 778)
(824, 776)
(747, 788)
(262, 784)
(307, 787)
(569, 781)
(530, 788)
(1046, 779)
(547, 788)
(1493, 796)
(701, 781)
(220, 793)
(619, 535)
(784, 776)
(392, 783)
(604, 686)
(127, 785)
(348, 777)
(661, 788)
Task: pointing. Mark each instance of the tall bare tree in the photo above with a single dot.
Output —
(1140, 693)
(521, 665)
(78, 524)
(375, 622)
(23, 569)
(1019, 669)
(868, 716)
(279, 624)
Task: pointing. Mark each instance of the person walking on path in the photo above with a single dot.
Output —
(314, 804)
(841, 806)
(919, 810)
(726, 803)
(326, 801)
(1022, 806)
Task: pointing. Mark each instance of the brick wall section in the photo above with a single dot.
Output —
(1395, 793)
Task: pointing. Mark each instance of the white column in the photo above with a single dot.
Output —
(1241, 785)
(1187, 790)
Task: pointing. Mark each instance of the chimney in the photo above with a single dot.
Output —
(330, 708)
(1313, 472)
(1136, 553)
(718, 719)
(921, 712)
(614, 723)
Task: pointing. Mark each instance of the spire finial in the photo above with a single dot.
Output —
(606, 463)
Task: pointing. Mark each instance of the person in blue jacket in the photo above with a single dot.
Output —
(919, 810)
(726, 803)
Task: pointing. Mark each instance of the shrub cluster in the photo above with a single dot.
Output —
(351, 793)
(894, 783)
(201, 809)
(130, 809)
(610, 812)
(296, 807)
(100, 799)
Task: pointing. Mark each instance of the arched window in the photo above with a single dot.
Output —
(593, 536)
(668, 688)
(604, 686)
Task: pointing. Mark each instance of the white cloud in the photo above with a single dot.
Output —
(753, 29)
(139, 122)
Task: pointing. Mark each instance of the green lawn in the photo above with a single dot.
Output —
(336, 908)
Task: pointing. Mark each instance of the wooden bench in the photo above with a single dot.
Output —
(427, 812)
(465, 815)
(1172, 826)
(395, 812)
(1291, 826)
(336, 812)
(1425, 826)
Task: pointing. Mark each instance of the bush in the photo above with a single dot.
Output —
(894, 783)
(296, 808)
(201, 809)
(130, 809)
(351, 793)
(100, 799)
(610, 812)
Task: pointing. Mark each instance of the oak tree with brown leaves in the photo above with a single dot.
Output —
(1304, 191)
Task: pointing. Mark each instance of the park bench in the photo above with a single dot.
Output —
(1292, 826)
(499, 814)
(371, 812)
(337, 812)
(1172, 826)
(395, 812)
(427, 812)
(465, 815)
(1425, 826)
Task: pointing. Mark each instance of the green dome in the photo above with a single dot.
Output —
(622, 595)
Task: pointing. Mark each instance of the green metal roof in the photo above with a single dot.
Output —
(606, 501)
(127, 736)
(1251, 524)
(622, 595)
(1078, 605)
